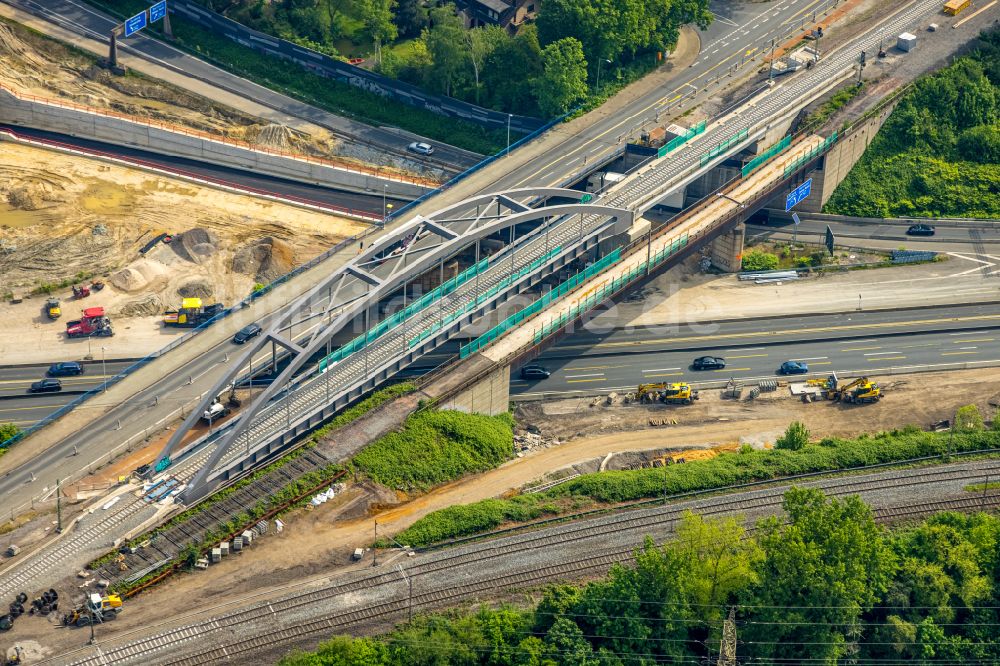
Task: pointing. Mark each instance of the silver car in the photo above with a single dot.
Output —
(421, 148)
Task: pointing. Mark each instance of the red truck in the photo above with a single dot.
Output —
(93, 323)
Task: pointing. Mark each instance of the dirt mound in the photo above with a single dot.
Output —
(141, 275)
(141, 307)
(25, 197)
(196, 289)
(195, 245)
(275, 136)
(265, 259)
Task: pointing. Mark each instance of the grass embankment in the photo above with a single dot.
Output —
(437, 446)
(611, 488)
(938, 154)
(295, 81)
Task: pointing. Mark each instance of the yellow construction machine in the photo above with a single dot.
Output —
(858, 391)
(95, 609)
(677, 393)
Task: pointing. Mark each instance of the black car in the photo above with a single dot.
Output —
(920, 230)
(247, 332)
(67, 369)
(46, 386)
(534, 372)
(708, 363)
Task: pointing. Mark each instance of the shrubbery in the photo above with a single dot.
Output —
(758, 260)
(725, 470)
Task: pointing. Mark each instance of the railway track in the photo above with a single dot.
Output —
(213, 633)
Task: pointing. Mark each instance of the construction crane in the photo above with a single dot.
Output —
(678, 393)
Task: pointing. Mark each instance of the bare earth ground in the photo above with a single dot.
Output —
(320, 541)
(63, 215)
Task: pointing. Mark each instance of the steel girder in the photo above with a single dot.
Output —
(392, 261)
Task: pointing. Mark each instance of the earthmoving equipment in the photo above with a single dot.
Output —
(80, 292)
(191, 313)
(13, 657)
(52, 309)
(953, 7)
(677, 393)
(94, 609)
(215, 411)
(858, 391)
(93, 323)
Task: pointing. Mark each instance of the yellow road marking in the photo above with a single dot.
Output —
(666, 374)
(957, 353)
(24, 409)
(580, 381)
(822, 363)
(748, 356)
(800, 331)
(64, 380)
(859, 349)
(594, 367)
(884, 358)
(963, 340)
(731, 370)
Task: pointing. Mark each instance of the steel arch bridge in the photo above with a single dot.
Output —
(380, 270)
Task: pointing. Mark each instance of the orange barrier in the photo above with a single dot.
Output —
(210, 136)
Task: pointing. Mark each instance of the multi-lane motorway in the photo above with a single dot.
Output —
(961, 236)
(20, 407)
(875, 341)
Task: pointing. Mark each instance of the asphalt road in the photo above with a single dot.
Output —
(23, 408)
(987, 234)
(252, 181)
(82, 19)
(621, 359)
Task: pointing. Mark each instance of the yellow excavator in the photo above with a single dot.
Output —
(94, 610)
(858, 391)
(678, 393)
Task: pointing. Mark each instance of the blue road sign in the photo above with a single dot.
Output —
(798, 194)
(135, 24)
(157, 11)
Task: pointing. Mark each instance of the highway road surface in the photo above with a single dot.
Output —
(945, 236)
(23, 408)
(82, 19)
(873, 341)
(364, 204)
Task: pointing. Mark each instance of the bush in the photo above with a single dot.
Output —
(437, 446)
(758, 260)
(795, 437)
(968, 419)
(725, 470)
(7, 431)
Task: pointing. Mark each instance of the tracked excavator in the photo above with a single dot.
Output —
(677, 393)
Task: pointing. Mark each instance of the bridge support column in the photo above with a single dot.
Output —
(727, 250)
(491, 395)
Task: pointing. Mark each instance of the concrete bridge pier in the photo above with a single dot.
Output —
(727, 249)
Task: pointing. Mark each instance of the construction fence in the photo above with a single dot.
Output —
(818, 150)
(679, 141)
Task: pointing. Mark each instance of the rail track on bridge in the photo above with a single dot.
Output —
(220, 639)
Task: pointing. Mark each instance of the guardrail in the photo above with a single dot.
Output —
(219, 138)
(759, 161)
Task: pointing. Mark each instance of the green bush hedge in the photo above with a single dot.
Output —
(437, 446)
(724, 470)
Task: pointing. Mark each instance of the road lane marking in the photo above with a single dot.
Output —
(594, 374)
(822, 363)
(959, 342)
(884, 358)
(749, 356)
(581, 381)
(957, 353)
(881, 353)
(969, 347)
(660, 369)
(667, 374)
(732, 370)
(746, 349)
(858, 348)
(600, 367)
(814, 358)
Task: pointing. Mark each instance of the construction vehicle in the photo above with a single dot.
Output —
(52, 308)
(191, 313)
(857, 391)
(93, 323)
(80, 292)
(953, 7)
(13, 657)
(678, 393)
(95, 609)
(215, 411)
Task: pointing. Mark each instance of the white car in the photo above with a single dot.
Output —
(421, 148)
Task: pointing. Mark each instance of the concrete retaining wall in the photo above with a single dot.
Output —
(490, 396)
(164, 141)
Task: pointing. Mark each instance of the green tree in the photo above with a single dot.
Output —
(758, 260)
(8, 430)
(980, 144)
(822, 571)
(379, 26)
(445, 42)
(564, 78)
(566, 645)
(521, 54)
(968, 419)
(482, 42)
(795, 438)
(410, 18)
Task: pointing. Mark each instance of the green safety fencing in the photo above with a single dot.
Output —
(756, 162)
(821, 148)
(391, 322)
(538, 305)
(679, 141)
(609, 288)
(724, 146)
(484, 297)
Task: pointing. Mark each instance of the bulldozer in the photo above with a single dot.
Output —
(678, 393)
(858, 391)
(95, 609)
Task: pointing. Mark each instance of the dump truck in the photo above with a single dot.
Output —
(52, 308)
(677, 393)
(95, 609)
(191, 313)
(953, 7)
(93, 323)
